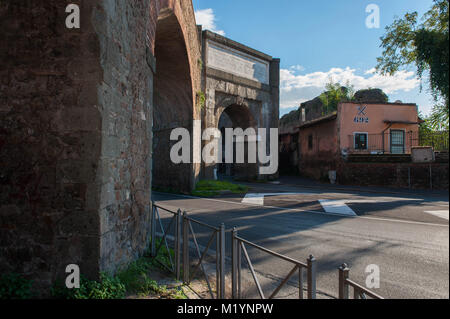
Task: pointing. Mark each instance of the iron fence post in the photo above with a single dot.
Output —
(343, 286)
(234, 264)
(185, 249)
(178, 245)
(239, 254)
(234, 292)
(300, 282)
(356, 294)
(153, 231)
(311, 277)
(222, 261)
(218, 264)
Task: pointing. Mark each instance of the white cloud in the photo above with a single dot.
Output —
(297, 67)
(207, 19)
(296, 89)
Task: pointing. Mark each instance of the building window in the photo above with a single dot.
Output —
(303, 115)
(397, 142)
(310, 142)
(361, 141)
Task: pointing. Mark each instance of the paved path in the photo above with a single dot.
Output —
(406, 235)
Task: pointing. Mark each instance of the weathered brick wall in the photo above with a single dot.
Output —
(50, 140)
(402, 175)
(317, 161)
(75, 132)
(126, 106)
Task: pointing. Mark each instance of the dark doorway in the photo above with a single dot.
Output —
(236, 116)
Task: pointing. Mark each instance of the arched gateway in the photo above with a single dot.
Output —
(243, 84)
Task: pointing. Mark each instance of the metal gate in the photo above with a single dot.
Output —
(172, 264)
(189, 274)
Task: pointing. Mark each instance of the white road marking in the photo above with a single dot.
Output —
(391, 220)
(439, 213)
(336, 207)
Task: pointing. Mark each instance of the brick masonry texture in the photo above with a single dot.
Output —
(76, 112)
(404, 175)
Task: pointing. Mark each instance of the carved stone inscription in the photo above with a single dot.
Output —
(237, 63)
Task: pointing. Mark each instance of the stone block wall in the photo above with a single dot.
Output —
(401, 175)
(125, 103)
(50, 141)
(76, 112)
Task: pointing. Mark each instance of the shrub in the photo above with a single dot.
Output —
(14, 286)
(107, 288)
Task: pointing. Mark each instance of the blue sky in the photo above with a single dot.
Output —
(316, 40)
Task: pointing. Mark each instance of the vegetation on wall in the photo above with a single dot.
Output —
(334, 94)
(200, 64)
(201, 100)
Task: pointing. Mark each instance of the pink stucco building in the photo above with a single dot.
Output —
(367, 128)
(377, 128)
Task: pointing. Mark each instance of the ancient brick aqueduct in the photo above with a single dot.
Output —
(78, 108)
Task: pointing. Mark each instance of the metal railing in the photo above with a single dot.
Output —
(238, 247)
(382, 143)
(219, 235)
(183, 231)
(359, 292)
(173, 266)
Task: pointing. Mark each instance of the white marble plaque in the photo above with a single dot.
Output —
(237, 63)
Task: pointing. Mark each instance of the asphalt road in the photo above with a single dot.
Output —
(406, 235)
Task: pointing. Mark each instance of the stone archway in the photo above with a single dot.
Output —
(173, 102)
(244, 80)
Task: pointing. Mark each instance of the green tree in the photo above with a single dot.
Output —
(334, 94)
(425, 45)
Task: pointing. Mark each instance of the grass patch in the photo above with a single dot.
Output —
(134, 280)
(164, 255)
(106, 288)
(214, 188)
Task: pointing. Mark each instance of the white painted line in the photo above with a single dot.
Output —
(439, 213)
(336, 207)
(399, 221)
